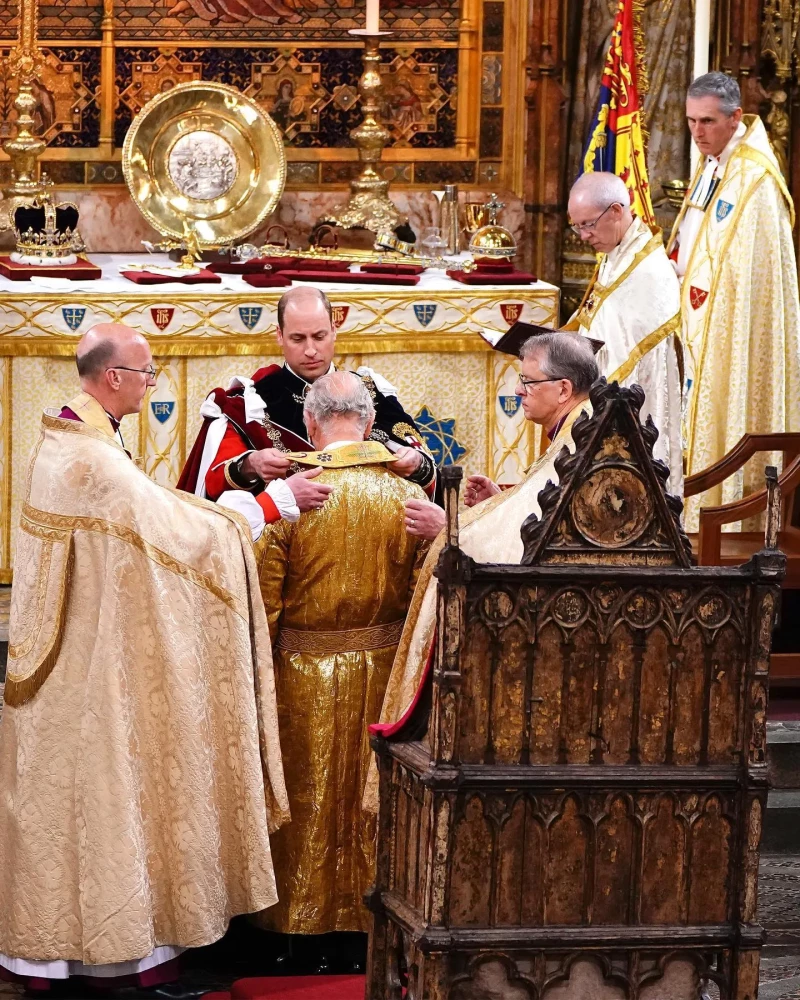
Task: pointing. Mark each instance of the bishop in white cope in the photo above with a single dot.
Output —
(633, 306)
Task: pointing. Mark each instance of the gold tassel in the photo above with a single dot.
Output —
(19, 692)
(642, 77)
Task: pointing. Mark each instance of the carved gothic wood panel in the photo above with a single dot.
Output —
(582, 820)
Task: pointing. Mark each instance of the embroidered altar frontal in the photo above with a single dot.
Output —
(424, 339)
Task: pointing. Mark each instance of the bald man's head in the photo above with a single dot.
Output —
(600, 209)
(600, 189)
(115, 365)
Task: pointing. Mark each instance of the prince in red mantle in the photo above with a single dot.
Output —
(247, 426)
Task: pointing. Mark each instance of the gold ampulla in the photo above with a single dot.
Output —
(369, 205)
(25, 148)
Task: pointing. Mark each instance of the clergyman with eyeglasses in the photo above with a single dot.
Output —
(633, 305)
(139, 753)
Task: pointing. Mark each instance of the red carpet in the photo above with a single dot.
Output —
(295, 988)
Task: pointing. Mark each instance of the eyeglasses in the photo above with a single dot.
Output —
(588, 227)
(150, 371)
(525, 382)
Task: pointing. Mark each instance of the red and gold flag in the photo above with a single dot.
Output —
(616, 138)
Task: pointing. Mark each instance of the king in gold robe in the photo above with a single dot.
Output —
(740, 311)
(140, 765)
(336, 586)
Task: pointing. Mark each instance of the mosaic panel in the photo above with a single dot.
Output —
(493, 26)
(444, 173)
(492, 79)
(414, 99)
(279, 20)
(70, 19)
(149, 78)
(104, 173)
(67, 112)
(488, 173)
(491, 140)
(302, 173)
(311, 93)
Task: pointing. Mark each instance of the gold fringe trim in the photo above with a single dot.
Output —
(642, 77)
(19, 691)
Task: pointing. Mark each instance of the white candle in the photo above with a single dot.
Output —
(373, 17)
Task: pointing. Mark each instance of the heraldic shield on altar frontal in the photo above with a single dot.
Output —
(574, 801)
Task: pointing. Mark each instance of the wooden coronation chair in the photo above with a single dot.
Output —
(572, 807)
(714, 547)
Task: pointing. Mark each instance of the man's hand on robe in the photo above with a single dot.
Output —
(424, 519)
(408, 461)
(308, 495)
(479, 488)
(267, 464)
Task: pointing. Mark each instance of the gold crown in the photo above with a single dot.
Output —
(46, 230)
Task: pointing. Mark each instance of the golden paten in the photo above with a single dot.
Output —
(204, 158)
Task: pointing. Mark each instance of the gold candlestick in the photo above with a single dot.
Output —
(25, 148)
(369, 205)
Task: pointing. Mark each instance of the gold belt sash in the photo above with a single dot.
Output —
(351, 640)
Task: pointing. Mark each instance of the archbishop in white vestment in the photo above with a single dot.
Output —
(633, 306)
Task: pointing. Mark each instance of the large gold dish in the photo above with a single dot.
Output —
(206, 157)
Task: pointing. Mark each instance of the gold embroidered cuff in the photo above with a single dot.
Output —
(235, 478)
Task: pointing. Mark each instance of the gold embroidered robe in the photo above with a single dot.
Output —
(336, 587)
(633, 306)
(140, 765)
(489, 532)
(741, 316)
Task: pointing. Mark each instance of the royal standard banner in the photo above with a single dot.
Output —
(616, 136)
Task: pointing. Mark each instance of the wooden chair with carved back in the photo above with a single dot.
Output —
(572, 809)
(714, 547)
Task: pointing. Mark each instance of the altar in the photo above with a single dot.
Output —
(424, 339)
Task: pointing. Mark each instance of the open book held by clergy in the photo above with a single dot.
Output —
(139, 754)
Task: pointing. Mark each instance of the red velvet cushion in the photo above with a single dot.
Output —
(391, 269)
(352, 278)
(266, 279)
(82, 270)
(493, 278)
(201, 277)
(320, 264)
